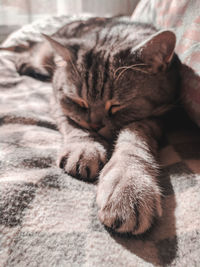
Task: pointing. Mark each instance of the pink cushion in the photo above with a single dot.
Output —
(183, 17)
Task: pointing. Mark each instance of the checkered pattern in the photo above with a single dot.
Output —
(48, 218)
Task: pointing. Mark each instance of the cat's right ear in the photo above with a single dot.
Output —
(61, 50)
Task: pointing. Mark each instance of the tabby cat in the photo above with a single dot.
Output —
(113, 79)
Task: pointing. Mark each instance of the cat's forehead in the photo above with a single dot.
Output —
(106, 71)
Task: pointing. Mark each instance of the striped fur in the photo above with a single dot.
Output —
(112, 80)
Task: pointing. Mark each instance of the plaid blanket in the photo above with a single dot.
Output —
(48, 218)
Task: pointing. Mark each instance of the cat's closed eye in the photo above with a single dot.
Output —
(112, 107)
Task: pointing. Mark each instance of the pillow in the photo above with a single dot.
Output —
(183, 17)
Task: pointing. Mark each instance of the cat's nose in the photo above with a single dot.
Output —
(95, 126)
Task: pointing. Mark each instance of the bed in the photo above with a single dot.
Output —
(48, 218)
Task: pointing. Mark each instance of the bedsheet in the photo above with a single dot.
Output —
(48, 218)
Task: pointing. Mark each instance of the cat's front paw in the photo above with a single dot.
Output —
(128, 198)
(83, 160)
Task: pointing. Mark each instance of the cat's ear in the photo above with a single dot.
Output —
(61, 50)
(158, 51)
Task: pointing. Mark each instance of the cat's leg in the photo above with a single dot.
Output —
(36, 62)
(128, 194)
(83, 153)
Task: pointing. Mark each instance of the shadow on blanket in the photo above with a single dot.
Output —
(48, 218)
(162, 233)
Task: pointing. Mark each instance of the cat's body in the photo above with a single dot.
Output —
(112, 82)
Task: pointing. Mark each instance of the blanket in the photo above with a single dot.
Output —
(48, 218)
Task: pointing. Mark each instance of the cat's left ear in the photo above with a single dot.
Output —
(158, 51)
(61, 50)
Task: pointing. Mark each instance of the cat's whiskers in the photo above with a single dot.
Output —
(131, 67)
(134, 65)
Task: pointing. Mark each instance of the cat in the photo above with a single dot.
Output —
(113, 79)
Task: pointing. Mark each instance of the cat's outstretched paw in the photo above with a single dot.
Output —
(83, 160)
(128, 199)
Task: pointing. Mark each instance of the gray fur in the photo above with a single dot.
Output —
(113, 80)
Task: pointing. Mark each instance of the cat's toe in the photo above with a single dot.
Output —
(126, 207)
(135, 220)
(82, 161)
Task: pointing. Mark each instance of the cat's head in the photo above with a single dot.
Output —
(107, 86)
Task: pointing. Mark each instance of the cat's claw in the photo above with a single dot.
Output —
(127, 203)
(83, 160)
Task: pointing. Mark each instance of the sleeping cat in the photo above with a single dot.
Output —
(113, 79)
